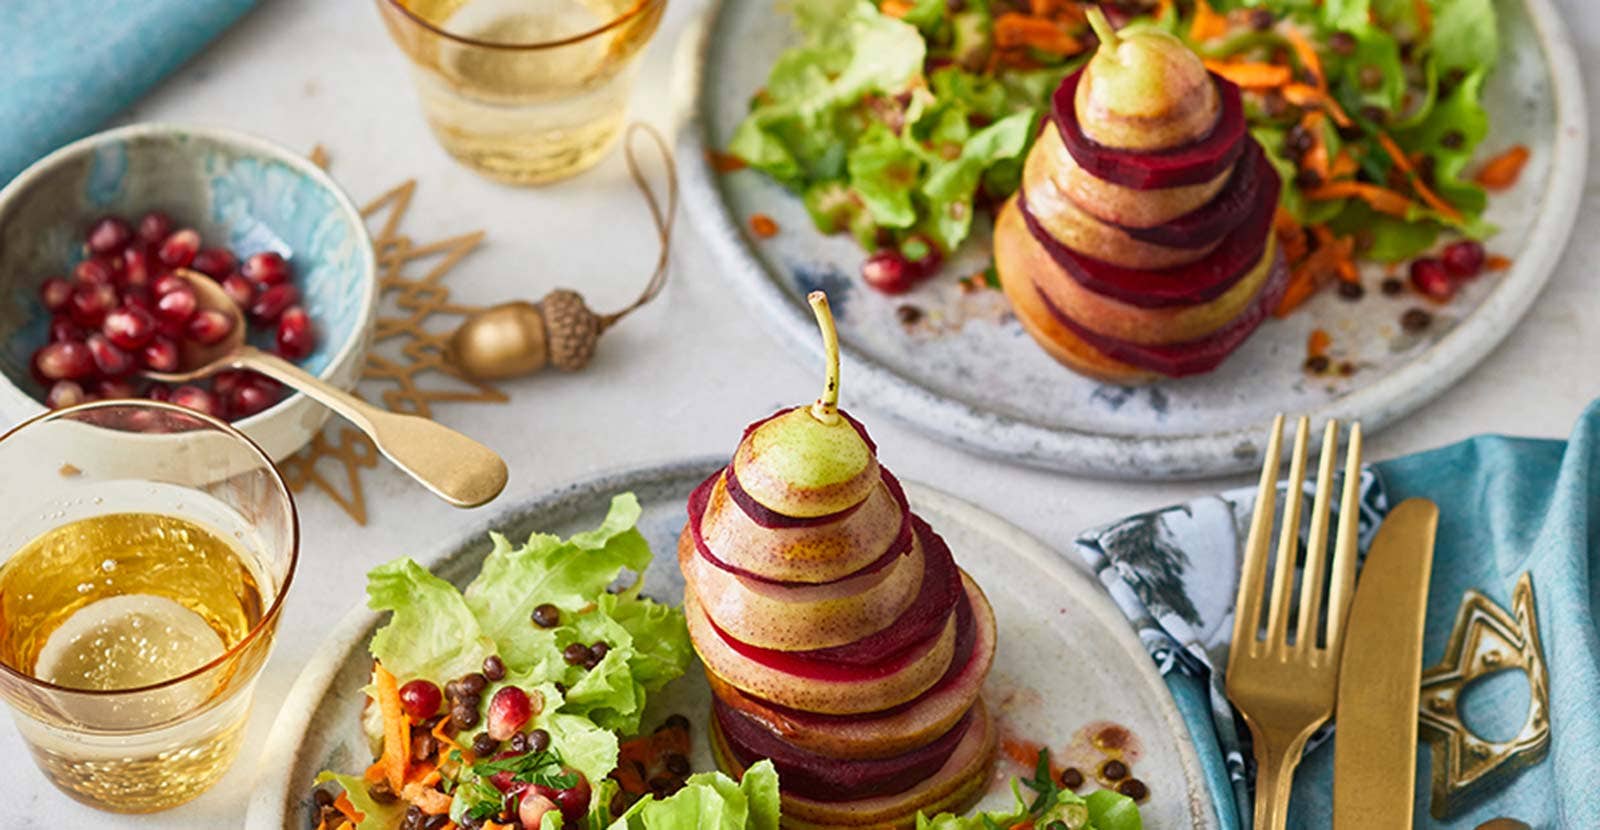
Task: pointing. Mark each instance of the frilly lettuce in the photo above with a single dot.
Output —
(710, 801)
(374, 816)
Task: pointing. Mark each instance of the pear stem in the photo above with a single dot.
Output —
(826, 409)
(1107, 33)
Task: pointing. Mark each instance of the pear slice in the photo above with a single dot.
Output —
(809, 462)
(1144, 91)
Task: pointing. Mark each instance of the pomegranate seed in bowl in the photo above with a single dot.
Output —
(177, 305)
(200, 400)
(66, 360)
(109, 360)
(295, 338)
(94, 272)
(109, 236)
(160, 354)
(266, 268)
(155, 227)
(65, 393)
(128, 327)
(62, 328)
(215, 263)
(179, 249)
(90, 303)
(55, 293)
(239, 289)
(270, 305)
(209, 326)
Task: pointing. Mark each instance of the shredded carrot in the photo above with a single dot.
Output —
(1054, 9)
(322, 824)
(1206, 24)
(1424, 193)
(1381, 199)
(1424, 17)
(1311, 274)
(1305, 95)
(763, 226)
(896, 8)
(1251, 75)
(1316, 158)
(396, 729)
(1344, 165)
(1014, 29)
(443, 737)
(377, 772)
(1163, 8)
(1306, 53)
(423, 772)
(725, 162)
(1496, 262)
(1348, 272)
(1317, 343)
(1503, 170)
(348, 810)
(1290, 235)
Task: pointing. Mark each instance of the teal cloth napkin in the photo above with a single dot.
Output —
(1507, 506)
(69, 65)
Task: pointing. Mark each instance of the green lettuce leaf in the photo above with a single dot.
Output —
(374, 816)
(950, 186)
(1454, 127)
(1112, 811)
(431, 632)
(884, 173)
(1465, 35)
(711, 801)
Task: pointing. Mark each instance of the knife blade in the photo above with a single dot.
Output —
(1380, 671)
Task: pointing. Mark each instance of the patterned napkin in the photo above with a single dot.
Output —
(69, 65)
(1507, 506)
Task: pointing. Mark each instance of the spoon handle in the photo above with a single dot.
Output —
(456, 468)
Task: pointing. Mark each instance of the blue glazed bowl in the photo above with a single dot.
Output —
(240, 192)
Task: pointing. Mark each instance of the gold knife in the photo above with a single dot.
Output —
(1380, 671)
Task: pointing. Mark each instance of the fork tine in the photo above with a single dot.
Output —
(1252, 574)
(1288, 540)
(1311, 579)
(1344, 546)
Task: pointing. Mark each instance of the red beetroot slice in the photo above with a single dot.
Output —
(766, 516)
(1196, 356)
(1217, 218)
(966, 644)
(1193, 163)
(887, 651)
(899, 547)
(832, 779)
(1190, 284)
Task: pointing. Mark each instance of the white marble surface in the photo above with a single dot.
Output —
(683, 376)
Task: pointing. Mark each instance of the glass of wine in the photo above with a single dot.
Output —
(524, 91)
(147, 551)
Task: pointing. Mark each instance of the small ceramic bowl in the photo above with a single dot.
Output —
(240, 192)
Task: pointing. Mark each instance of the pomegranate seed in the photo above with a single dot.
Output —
(1463, 259)
(90, 303)
(888, 272)
(420, 699)
(109, 235)
(160, 354)
(155, 227)
(168, 283)
(111, 361)
(94, 272)
(64, 393)
(66, 360)
(177, 305)
(138, 296)
(226, 382)
(215, 263)
(922, 253)
(1429, 277)
(62, 329)
(55, 293)
(111, 389)
(248, 399)
(128, 327)
(242, 291)
(159, 392)
(573, 801)
(509, 709)
(269, 306)
(193, 397)
(179, 249)
(295, 338)
(135, 267)
(532, 810)
(266, 268)
(209, 326)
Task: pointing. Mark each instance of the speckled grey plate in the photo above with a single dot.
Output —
(1067, 660)
(969, 375)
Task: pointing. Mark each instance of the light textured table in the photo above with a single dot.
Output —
(683, 376)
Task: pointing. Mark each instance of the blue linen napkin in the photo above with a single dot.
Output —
(66, 66)
(1507, 506)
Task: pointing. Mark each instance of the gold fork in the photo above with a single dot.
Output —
(1286, 690)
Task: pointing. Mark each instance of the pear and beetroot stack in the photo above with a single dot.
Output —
(1140, 243)
(840, 639)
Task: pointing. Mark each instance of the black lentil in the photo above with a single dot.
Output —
(547, 616)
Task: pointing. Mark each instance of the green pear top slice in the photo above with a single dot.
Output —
(1144, 90)
(809, 461)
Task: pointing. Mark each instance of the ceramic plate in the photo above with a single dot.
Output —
(966, 372)
(1067, 663)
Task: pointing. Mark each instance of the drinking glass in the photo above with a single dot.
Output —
(168, 540)
(524, 91)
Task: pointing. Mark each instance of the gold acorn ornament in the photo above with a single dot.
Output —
(560, 330)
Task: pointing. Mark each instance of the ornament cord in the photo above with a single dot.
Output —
(663, 217)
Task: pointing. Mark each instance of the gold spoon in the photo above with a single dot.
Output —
(456, 468)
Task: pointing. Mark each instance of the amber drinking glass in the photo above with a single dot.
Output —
(147, 550)
(524, 91)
